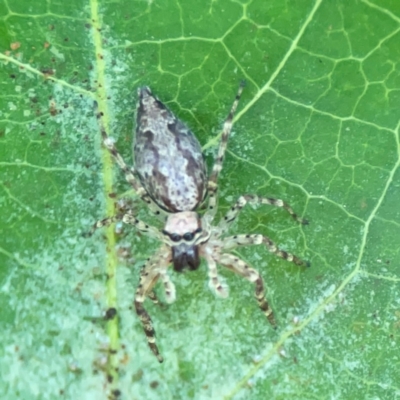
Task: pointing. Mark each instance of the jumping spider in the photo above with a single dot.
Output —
(170, 176)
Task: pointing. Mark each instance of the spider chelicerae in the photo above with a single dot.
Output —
(170, 176)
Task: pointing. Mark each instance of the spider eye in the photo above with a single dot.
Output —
(188, 236)
(175, 237)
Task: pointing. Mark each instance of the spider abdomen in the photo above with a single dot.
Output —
(168, 157)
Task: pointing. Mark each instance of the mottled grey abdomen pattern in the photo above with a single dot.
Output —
(168, 158)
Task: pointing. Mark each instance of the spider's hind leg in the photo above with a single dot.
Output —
(212, 186)
(129, 172)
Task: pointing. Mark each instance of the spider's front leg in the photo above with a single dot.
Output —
(214, 282)
(238, 266)
(151, 272)
(234, 211)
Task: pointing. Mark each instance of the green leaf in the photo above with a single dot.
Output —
(317, 126)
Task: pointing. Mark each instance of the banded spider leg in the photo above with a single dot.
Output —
(129, 172)
(154, 268)
(229, 261)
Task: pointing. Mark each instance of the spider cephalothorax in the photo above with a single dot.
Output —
(183, 231)
(173, 180)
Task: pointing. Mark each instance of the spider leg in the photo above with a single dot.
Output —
(153, 297)
(234, 211)
(240, 267)
(103, 222)
(149, 275)
(127, 218)
(128, 171)
(212, 186)
(169, 287)
(214, 281)
(232, 242)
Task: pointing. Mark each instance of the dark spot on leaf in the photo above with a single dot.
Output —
(110, 313)
(154, 384)
(53, 110)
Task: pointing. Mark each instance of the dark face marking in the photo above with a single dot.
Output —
(185, 257)
(187, 237)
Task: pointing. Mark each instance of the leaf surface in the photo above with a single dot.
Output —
(317, 126)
